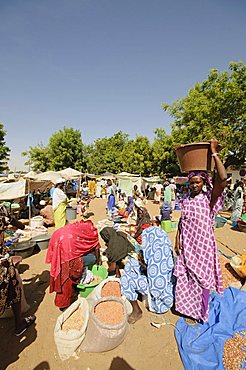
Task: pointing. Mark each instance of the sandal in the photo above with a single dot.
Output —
(29, 320)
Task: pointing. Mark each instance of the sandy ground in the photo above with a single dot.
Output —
(144, 348)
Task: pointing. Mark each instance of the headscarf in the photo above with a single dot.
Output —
(165, 211)
(118, 246)
(69, 242)
(143, 217)
(203, 175)
(165, 206)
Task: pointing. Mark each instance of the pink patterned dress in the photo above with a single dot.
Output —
(197, 268)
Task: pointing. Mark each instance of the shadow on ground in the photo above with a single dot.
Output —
(11, 346)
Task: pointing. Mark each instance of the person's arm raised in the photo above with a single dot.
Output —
(220, 177)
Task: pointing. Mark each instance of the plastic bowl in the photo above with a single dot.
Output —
(23, 249)
(42, 241)
(195, 156)
(220, 221)
(86, 289)
(242, 226)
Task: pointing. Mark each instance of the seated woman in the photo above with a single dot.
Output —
(11, 290)
(165, 212)
(70, 248)
(129, 208)
(143, 222)
(118, 248)
(150, 274)
(47, 213)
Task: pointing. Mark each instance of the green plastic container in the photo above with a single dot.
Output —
(174, 225)
(166, 225)
(86, 289)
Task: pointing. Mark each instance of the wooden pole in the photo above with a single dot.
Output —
(79, 186)
(29, 202)
(232, 250)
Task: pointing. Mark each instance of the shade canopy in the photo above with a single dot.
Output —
(70, 173)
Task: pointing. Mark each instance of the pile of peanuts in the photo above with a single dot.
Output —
(235, 352)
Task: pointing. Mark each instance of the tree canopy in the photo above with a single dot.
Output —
(64, 149)
(214, 108)
(4, 150)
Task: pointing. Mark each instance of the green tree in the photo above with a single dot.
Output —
(4, 150)
(106, 154)
(214, 108)
(37, 158)
(164, 158)
(137, 156)
(64, 149)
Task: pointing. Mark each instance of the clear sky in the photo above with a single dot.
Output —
(101, 66)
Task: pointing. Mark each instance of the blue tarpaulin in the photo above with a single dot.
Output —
(201, 346)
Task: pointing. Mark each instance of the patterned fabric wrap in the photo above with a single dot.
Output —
(158, 284)
(130, 205)
(197, 267)
(133, 241)
(10, 290)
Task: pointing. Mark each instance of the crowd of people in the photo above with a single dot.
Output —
(192, 267)
(180, 276)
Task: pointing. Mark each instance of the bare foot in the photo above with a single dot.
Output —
(134, 317)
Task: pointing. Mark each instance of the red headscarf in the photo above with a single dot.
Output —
(69, 242)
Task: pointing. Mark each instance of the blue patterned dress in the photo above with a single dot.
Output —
(158, 284)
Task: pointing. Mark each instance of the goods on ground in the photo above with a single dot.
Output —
(74, 321)
(96, 280)
(111, 288)
(229, 277)
(109, 312)
(234, 355)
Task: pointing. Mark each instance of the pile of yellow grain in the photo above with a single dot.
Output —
(74, 321)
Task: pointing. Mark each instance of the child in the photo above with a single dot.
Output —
(165, 212)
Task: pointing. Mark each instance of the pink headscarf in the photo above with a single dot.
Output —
(203, 175)
(69, 242)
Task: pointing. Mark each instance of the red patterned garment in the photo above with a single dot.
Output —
(66, 248)
(197, 268)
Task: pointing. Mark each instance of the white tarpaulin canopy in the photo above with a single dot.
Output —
(30, 175)
(127, 181)
(70, 173)
(12, 190)
(51, 176)
(152, 180)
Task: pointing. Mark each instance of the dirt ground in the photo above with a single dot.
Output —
(144, 348)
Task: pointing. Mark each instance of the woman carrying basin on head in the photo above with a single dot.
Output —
(197, 268)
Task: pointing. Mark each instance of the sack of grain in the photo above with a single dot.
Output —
(70, 328)
(107, 326)
(111, 284)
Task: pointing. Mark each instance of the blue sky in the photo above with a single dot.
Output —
(101, 66)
